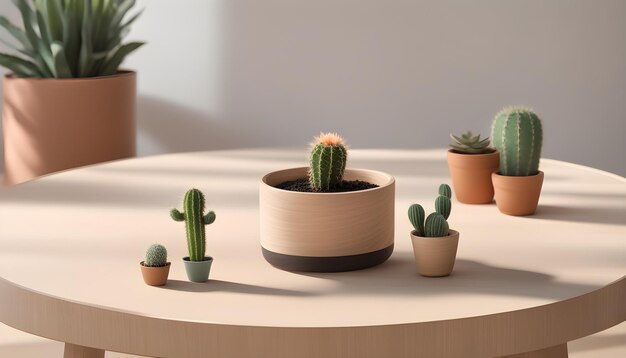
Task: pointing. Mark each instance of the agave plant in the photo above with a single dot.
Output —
(469, 143)
(69, 38)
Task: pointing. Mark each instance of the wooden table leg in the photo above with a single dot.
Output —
(559, 351)
(73, 351)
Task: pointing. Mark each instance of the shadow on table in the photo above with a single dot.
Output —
(229, 286)
(468, 277)
(614, 216)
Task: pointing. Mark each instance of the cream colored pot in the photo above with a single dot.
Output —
(56, 124)
(327, 232)
(435, 256)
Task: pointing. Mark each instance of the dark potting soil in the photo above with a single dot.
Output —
(302, 185)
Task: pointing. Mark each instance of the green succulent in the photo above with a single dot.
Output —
(69, 38)
(468, 143)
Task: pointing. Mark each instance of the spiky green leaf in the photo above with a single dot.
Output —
(19, 66)
(111, 65)
(60, 61)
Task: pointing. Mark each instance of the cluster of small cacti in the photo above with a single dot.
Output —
(436, 224)
(327, 162)
(468, 143)
(195, 220)
(156, 256)
(517, 134)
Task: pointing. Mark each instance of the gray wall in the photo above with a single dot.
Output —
(384, 73)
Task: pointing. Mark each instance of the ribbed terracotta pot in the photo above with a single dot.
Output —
(56, 124)
(435, 256)
(155, 276)
(518, 196)
(471, 176)
(327, 232)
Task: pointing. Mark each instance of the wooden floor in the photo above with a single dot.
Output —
(15, 344)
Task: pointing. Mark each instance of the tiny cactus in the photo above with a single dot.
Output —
(517, 134)
(156, 256)
(444, 189)
(195, 221)
(443, 206)
(416, 216)
(435, 225)
(468, 143)
(327, 162)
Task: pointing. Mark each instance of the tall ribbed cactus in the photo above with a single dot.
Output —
(327, 162)
(517, 134)
(195, 220)
(435, 225)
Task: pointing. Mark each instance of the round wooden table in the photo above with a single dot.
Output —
(71, 243)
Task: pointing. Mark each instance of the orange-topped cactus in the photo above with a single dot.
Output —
(327, 162)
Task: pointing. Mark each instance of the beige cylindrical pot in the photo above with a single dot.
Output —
(435, 256)
(518, 196)
(471, 176)
(56, 124)
(327, 232)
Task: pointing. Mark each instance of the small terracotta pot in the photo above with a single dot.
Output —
(198, 271)
(56, 124)
(327, 232)
(517, 196)
(435, 256)
(471, 176)
(155, 276)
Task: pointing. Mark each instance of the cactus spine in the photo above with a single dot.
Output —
(194, 223)
(517, 134)
(435, 224)
(156, 256)
(327, 162)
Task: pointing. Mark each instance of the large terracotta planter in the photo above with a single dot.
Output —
(56, 124)
(517, 196)
(471, 176)
(327, 232)
(435, 256)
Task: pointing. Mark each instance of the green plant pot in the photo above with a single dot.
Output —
(198, 271)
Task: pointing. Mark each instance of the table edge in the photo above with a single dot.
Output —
(489, 335)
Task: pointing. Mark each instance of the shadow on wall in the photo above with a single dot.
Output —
(175, 128)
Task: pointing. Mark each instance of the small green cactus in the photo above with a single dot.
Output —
(518, 135)
(416, 216)
(156, 256)
(435, 225)
(468, 143)
(443, 206)
(195, 221)
(444, 189)
(327, 162)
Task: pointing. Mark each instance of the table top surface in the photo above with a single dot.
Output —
(80, 235)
